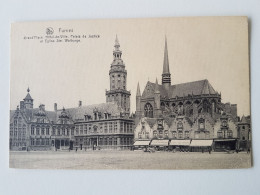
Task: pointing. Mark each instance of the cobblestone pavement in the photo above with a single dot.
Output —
(111, 159)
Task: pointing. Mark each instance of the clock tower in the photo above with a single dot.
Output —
(118, 79)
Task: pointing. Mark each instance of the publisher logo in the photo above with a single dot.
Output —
(49, 31)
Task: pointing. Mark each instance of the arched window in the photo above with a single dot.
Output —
(166, 134)
(155, 134)
(201, 124)
(148, 110)
(162, 105)
(205, 106)
(95, 129)
(172, 107)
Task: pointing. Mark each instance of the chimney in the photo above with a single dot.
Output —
(55, 107)
(80, 103)
(22, 105)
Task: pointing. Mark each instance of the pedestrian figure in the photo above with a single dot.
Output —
(76, 149)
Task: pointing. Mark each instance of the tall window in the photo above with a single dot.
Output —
(115, 127)
(174, 134)
(229, 134)
(148, 110)
(81, 129)
(180, 134)
(105, 127)
(47, 131)
(220, 134)
(43, 131)
(166, 134)
(201, 124)
(155, 134)
(37, 131)
(187, 134)
(110, 127)
(95, 129)
(147, 135)
(32, 130)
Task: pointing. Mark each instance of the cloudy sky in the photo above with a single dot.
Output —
(213, 48)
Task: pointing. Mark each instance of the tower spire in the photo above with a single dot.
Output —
(138, 93)
(117, 45)
(156, 90)
(166, 69)
(166, 75)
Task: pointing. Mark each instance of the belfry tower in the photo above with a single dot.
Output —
(118, 81)
(166, 75)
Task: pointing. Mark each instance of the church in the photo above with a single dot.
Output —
(100, 126)
(187, 115)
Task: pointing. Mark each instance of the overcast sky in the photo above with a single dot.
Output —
(213, 48)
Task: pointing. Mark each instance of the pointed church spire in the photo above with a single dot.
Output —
(166, 69)
(156, 90)
(166, 75)
(117, 45)
(138, 93)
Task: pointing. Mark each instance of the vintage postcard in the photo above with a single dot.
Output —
(154, 93)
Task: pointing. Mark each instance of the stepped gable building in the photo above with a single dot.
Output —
(106, 125)
(187, 111)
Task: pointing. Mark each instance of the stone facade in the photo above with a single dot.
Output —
(106, 125)
(191, 110)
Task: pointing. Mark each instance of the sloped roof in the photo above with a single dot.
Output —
(79, 112)
(244, 120)
(28, 97)
(151, 121)
(184, 89)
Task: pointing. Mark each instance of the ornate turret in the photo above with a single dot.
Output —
(28, 101)
(166, 76)
(118, 81)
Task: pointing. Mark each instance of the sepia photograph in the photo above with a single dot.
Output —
(145, 93)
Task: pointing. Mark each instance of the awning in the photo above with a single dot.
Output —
(224, 140)
(197, 143)
(162, 142)
(179, 143)
(142, 143)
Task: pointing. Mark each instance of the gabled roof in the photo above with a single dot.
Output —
(151, 121)
(200, 87)
(244, 120)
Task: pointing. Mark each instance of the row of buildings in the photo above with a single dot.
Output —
(164, 112)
